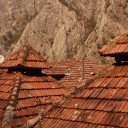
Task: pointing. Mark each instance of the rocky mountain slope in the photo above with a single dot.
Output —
(61, 29)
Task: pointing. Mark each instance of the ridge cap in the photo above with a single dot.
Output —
(10, 109)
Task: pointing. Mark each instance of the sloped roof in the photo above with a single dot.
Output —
(27, 57)
(23, 95)
(24, 91)
(56, 69)
(119, 45)
(76, 71)
(103, 104)
(27, 95)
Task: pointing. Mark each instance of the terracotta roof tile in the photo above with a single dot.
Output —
(26, 94)
(38, 79)
(20, 121)
(33, 92)
(119, 45)
(26, 57)
(27, 112)
(74, 75)
(103, 104)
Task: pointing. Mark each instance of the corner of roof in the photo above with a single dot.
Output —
(109, 49)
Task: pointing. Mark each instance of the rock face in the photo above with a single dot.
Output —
(61, 29)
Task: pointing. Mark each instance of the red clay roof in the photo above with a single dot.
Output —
(27, 95)
(23, 95)
(56, 70)
(24, 91)
(76, 71)
(26, 56)
(117, 46)
(103, 104)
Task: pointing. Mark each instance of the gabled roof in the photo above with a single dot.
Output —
(103, 104)
(76, 71)
(27, 57)
(119, 45)
(26, 95)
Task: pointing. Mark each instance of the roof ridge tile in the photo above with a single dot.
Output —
(10, 109)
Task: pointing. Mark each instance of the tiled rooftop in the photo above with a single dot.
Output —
(76, 71)
(27, 57)
(119, 45)
(25, 91)
(103, 104)
(27, 94)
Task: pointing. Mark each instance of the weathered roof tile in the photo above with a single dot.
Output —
(25, 91)
(76, 71)
(25, 94)
(26, 56)
(119, 45)
(103, 104)
(31, 95)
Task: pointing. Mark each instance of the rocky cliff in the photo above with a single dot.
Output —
(61, 29)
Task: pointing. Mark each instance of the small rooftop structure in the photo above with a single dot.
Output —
(25, 57)
(118, 48)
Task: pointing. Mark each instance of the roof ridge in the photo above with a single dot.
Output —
(26, 57)
(82, 70)
(10, 109)
(21, 56)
